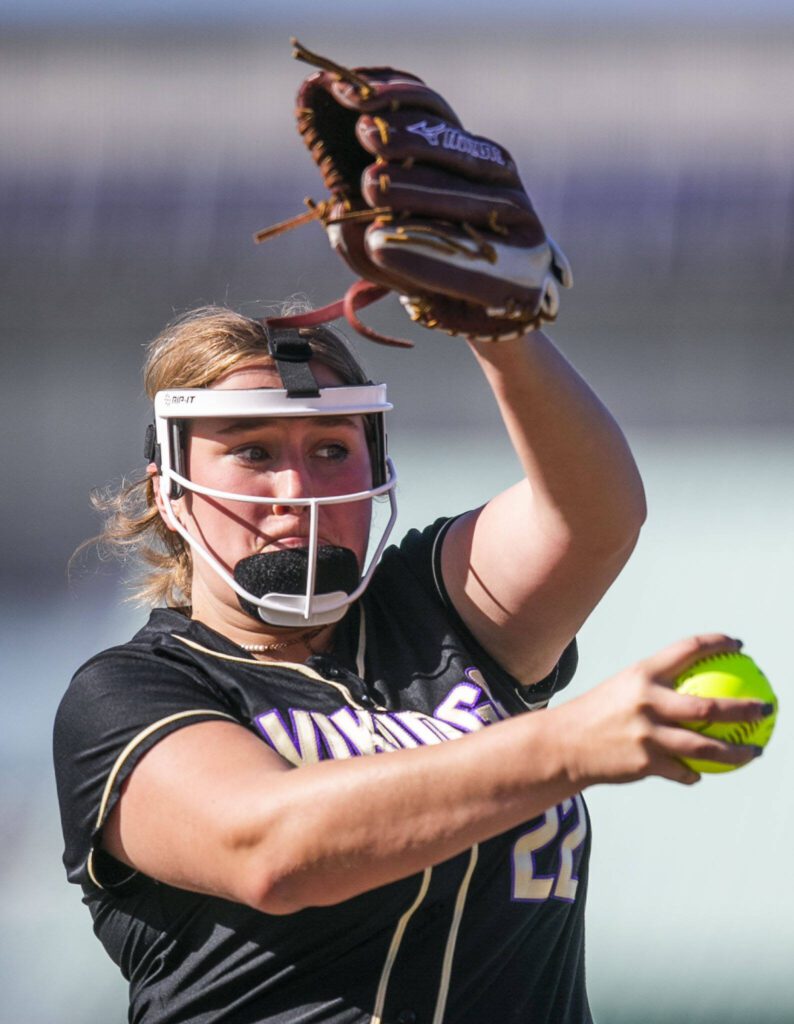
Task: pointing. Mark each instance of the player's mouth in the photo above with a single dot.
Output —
(290, 541)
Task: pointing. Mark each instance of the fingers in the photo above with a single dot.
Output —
(676, 771)
(696, 746)
(666, 665)
(670, 706)
(637, 725)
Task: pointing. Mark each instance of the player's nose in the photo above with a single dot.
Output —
(290, 485)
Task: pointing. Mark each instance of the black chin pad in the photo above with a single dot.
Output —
(286, 572)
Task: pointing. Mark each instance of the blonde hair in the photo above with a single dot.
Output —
(193, 351)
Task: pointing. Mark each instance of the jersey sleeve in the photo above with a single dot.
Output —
(422, 551)
(117, 707)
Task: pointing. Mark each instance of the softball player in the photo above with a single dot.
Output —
(245, 851)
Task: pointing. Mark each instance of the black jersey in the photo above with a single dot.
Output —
(493, 934)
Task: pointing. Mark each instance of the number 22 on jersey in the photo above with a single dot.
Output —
(528, 884)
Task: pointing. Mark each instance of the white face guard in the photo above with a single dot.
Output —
(174, 406)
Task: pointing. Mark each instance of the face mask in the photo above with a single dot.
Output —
(321, 594)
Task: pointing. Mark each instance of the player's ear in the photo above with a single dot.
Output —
(153, 473)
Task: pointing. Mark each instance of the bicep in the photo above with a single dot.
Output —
(520, 581)
(193, 808)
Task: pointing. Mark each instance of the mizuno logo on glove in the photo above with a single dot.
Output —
(455, 139)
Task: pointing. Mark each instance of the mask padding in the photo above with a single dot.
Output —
(286, 572)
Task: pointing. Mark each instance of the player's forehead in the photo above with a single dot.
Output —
(249, 426)
(263, 374)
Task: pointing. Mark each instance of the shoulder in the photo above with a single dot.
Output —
(118, 705)
(413, 619)
(159, 632)
(417, 555)
(153, 662)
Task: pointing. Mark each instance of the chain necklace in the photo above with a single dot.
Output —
(282, 645)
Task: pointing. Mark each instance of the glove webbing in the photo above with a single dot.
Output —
(361, 293)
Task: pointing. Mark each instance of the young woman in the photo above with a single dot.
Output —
(445, 881)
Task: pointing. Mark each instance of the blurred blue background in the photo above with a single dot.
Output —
(142, 146)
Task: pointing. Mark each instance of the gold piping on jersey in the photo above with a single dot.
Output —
(296, 666)
(391, 956)
(452, 938)
(119, 762)
(362, 641)
(436, 560)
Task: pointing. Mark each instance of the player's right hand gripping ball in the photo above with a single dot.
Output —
(736, 676)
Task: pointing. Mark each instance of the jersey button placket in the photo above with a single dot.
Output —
(332, 670)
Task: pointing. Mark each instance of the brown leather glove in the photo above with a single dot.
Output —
(421, 207)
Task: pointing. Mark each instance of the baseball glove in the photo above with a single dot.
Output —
(421, 207)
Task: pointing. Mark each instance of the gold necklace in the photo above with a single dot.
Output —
(282, 645)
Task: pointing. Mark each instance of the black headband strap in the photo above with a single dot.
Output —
(292, 354)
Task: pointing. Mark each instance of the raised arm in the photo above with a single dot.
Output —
(526, 570)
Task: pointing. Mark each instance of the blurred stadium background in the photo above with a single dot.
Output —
(140, 152)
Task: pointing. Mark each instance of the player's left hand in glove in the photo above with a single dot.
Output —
(421, 207)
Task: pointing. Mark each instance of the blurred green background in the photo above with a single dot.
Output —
(142, 148)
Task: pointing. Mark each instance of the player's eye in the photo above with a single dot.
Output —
(333, 451)
(251, 454)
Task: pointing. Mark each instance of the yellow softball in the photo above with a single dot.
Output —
(735, 676)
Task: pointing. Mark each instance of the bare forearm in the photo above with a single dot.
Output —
(405, 811)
